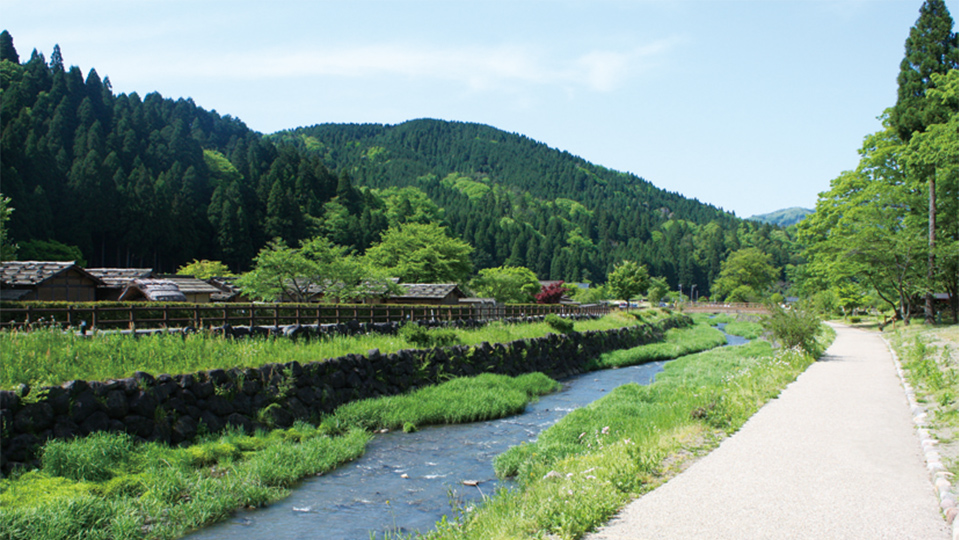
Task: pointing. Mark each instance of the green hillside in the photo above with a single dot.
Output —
(120, 180)
(521, 202)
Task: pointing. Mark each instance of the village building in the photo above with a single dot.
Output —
(229, 292)
(196, 291)
(51, 281)
(432, 294)
(115, 280)
(152, 290)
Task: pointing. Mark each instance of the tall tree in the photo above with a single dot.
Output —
(931, 49)
(7, 50)
(628, 280)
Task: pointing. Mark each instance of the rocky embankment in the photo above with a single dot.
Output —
(174, 409)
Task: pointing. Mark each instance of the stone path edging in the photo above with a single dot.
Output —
(939, 474)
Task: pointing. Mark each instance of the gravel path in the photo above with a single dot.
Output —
(835, 456)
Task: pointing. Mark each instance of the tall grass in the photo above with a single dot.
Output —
(107, 486)
(678, 342)
(582, 469)
(458, 401)
(746, 329)
(51, 357)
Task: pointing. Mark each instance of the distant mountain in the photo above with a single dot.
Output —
(783, 218)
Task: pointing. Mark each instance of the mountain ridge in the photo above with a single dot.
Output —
(784, 217)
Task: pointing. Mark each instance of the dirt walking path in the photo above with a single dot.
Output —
(834, 457)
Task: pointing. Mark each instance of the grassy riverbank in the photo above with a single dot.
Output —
(929, 359)
(583, 469)
(107, 486)
(51, 357)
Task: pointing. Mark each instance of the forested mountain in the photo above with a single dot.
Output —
(522, 203)
(784, 217)
(157, 182)
(143, 182)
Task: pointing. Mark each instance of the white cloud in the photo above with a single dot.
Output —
(476, 68)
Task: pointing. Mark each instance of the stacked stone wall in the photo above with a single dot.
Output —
(174, 409)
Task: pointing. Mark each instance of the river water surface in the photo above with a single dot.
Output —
(405, 482)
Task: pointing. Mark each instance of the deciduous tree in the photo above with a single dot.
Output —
(628, 280)
(422, 253)
(508, 284)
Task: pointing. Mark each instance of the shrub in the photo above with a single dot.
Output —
(794, 327)
(558, 323)
(422, 336)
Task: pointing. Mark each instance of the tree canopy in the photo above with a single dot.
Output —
(745, 276)
(508, 284)
(422, 253)
(628, 280)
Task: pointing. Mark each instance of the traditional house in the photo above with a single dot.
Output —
(196, 290)
(438, 294)
(152, 290)
(50, 281)
(229, 292)
(115, 280)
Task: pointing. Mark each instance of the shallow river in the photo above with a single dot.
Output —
(406, 481)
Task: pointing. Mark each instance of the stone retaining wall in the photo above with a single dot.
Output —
(174, 409)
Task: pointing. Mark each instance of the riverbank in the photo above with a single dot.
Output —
(149, 488)
(834, 456)
(583, 469)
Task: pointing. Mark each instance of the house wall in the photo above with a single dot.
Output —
(70, 286)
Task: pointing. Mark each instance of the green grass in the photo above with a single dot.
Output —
(49, 357)
(583, 469)
(746, 329)
(929, 359)
(678, 342)
(107, 486)
(458, 401)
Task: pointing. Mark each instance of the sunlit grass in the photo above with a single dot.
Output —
(580, 471)
(108, 486)
(678, 342)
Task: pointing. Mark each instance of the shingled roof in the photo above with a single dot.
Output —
(18, 274)
(435, 291)
(117, 278)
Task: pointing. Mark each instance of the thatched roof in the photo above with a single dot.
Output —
(154, 290)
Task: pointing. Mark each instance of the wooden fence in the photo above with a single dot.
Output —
(211, 315)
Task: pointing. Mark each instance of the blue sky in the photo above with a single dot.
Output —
(752, 106)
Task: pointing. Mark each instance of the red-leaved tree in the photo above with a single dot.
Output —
(552, 293)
